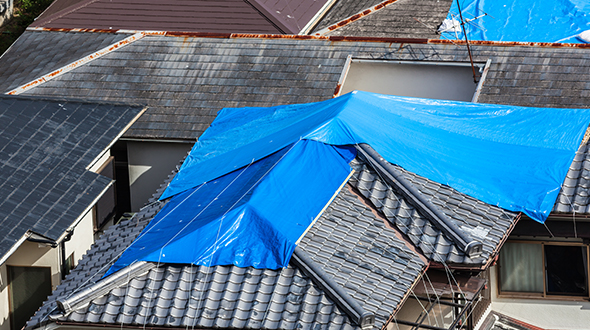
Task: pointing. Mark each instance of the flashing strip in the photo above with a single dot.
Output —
(318, 16)
(355, 17)
(343, 76)
(327, 38)
(484, 74)
(75, 64)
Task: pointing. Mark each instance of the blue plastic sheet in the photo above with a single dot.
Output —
(250, 217)
(513, 157)
(523, 20)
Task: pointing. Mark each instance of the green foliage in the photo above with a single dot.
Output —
(25, 12)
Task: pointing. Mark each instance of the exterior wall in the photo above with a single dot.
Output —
(416, 80)
(40, 255)
(82, 238)
(543, 313)
(6, 10)
(150, 163)
(28, 254)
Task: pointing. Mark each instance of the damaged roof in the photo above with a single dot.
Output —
(352, 270)
(387, 19)
(327, 283)
(46, 148)
(182, 78)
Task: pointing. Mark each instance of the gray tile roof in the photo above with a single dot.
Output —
(45, 148)
(401, 19)
(485, 223)
(35, 54)
(349, 244)
(574, 197)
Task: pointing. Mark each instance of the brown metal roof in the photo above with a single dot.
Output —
(171, 15)
(291, 16)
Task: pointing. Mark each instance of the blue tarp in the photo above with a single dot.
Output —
(513, 157)
(252, 216)
(522, 20)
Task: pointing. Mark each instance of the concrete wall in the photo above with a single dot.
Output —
(415, 80)
(6, 11)
(150, 163)
(543, 313)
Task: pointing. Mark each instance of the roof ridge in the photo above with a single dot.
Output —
(64, 12)
(355, 17)
(348, 304)
(101, 287)
(471, 247)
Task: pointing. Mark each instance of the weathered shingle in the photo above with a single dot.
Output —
(45, 149)
(401, 19)
(35, 54)
(185, 81)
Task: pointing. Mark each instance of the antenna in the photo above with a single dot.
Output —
(467, 42)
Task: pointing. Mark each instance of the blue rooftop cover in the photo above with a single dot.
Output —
(252, 216)
(513, 157)
(522, 20)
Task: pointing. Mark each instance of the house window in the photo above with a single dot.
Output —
(543, 269)
(28, 288)
(425, 79)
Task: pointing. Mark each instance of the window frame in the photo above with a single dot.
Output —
(544, 295)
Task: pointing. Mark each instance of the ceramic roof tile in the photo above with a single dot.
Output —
(228, 296)
(573, 197)
(475, 219)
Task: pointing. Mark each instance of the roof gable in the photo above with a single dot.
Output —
(228, 16)
(46, 148)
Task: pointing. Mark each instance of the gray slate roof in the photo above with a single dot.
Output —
(401, 19)
(45, 148)
(342, 10)
(186, 80)
(349, 242)
(485, 223)
(36, 54)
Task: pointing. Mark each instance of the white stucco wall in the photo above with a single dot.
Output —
(543, 313)
(150, 163)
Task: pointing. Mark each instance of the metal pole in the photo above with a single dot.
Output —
(467, 42)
